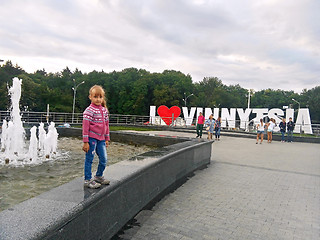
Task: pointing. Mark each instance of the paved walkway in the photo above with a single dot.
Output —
(249, 191)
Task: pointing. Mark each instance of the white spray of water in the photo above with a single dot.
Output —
(41, 136)
(9, 151)
(13, 135)
(33, 147)
(51, 140)
(4, 135)
(17, 133)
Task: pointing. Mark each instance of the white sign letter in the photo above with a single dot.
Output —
(152, 119)
(188, 118)
(303, 121)
(208, 112)
(274, 113)
(259, 114)
(231, 118)
(244, 117)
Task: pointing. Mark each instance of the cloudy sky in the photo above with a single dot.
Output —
(257, 44)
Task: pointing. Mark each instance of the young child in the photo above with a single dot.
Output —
(95, 132)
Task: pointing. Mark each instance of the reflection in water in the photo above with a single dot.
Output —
(24, 182)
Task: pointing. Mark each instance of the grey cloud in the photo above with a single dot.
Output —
(258, 44)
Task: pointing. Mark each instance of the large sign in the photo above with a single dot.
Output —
(229, 116)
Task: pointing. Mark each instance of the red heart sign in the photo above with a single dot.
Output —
(166, 114)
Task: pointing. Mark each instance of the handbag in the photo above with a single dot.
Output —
(207, 128)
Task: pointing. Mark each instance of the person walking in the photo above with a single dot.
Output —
(200, 123)
(290, 127)
(217, 128)
(260, 131)
(210, 126)
(282, 127)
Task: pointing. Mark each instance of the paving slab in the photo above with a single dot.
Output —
(249, 191)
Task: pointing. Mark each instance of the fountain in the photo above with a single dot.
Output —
(40, 164)
(13, 135)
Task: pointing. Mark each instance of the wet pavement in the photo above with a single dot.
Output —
(249, 191)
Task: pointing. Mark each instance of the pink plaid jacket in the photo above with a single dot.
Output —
(95, 123)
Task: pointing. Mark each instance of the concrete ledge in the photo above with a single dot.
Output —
(74, 132)
(129, 137)
(74, 212)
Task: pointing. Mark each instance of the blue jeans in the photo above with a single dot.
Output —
(282, 136)
(217, 132)
(98, 146)
(289, 135)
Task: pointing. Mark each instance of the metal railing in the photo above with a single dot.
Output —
(59, 118)
(62, 118)
(38, 117)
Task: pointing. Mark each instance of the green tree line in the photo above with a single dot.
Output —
(132, 91)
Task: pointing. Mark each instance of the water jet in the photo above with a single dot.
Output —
(13, 140)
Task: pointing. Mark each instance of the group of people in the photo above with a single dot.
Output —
(269, 128)
(96, 136)
(212, 126)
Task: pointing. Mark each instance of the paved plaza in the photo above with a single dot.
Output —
(249, 191)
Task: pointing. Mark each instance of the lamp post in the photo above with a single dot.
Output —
(74, 95)
(299, 109)
(249, 95)
(185, 98)
(296, 102)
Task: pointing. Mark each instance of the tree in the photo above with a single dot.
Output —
(132, 91)
(311, 99)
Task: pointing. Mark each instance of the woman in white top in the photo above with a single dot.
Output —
(271, 124)
(260, 131)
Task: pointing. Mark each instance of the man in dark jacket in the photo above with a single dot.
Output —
(290, 127)
(282, 127)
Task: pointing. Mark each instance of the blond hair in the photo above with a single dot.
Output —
(97, 89)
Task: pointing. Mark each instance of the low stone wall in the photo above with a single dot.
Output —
(128, 137)
(74, 212)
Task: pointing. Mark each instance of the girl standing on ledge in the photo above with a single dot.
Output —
(95, 133)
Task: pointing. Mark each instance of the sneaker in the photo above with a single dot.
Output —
(101, 180)
(91, 184)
